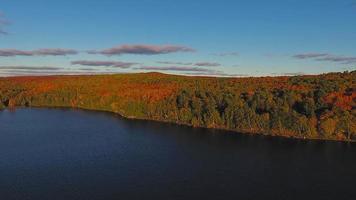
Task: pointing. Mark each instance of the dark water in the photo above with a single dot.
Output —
(72, 154)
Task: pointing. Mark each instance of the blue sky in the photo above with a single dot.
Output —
(199, 37)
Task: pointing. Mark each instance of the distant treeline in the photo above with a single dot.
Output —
(315, 107)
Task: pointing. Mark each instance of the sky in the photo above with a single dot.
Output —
(188, 37)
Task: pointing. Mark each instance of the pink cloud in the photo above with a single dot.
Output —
(176, 68)
(327, 57)
(207, 64)
(199, 64)
(143, 49)
(39, 52)
(104, 63)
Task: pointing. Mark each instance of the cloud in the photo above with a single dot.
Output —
(29, 68)
(39, 52)
(353, 4)
(327, 57)
(104, 63)
(289, 74)
(309, 55)
(207, 64)
(55, 52)
(176, 68)
(14, 52)
(3, 22)
(234, 53)
(44, 73)
(293, 74)
(194, 71)
(198, 64)
(143, 49)
(218, 73)
(342, 59)
(44, 70)
(87, 69)
(174, 63)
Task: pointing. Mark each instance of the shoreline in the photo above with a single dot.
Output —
(242, 132)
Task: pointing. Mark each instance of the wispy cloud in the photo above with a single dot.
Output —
(234, 53)
(3, 22)
(38, 52)
(342, 59)
(175, 68)
(207, 64)
(198, 64)
(14, 52)
(193, 71)
(55, 52)
(29, 68)
(353, 4)
(143, 49)
(45, 73)
(293, 74)
(44, 70)
(309, 55)
(88, 69)
(104, 63)
(327, 57)
(218, 73)
(174, 63)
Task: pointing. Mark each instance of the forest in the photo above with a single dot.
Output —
(307, 107)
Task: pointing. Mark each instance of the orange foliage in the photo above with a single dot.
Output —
(343, 100)
(148, 92)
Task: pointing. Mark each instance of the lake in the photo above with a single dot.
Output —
(70, 154)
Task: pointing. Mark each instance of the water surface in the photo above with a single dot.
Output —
(73, 154)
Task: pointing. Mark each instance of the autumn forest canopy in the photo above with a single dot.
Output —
(315, 106)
